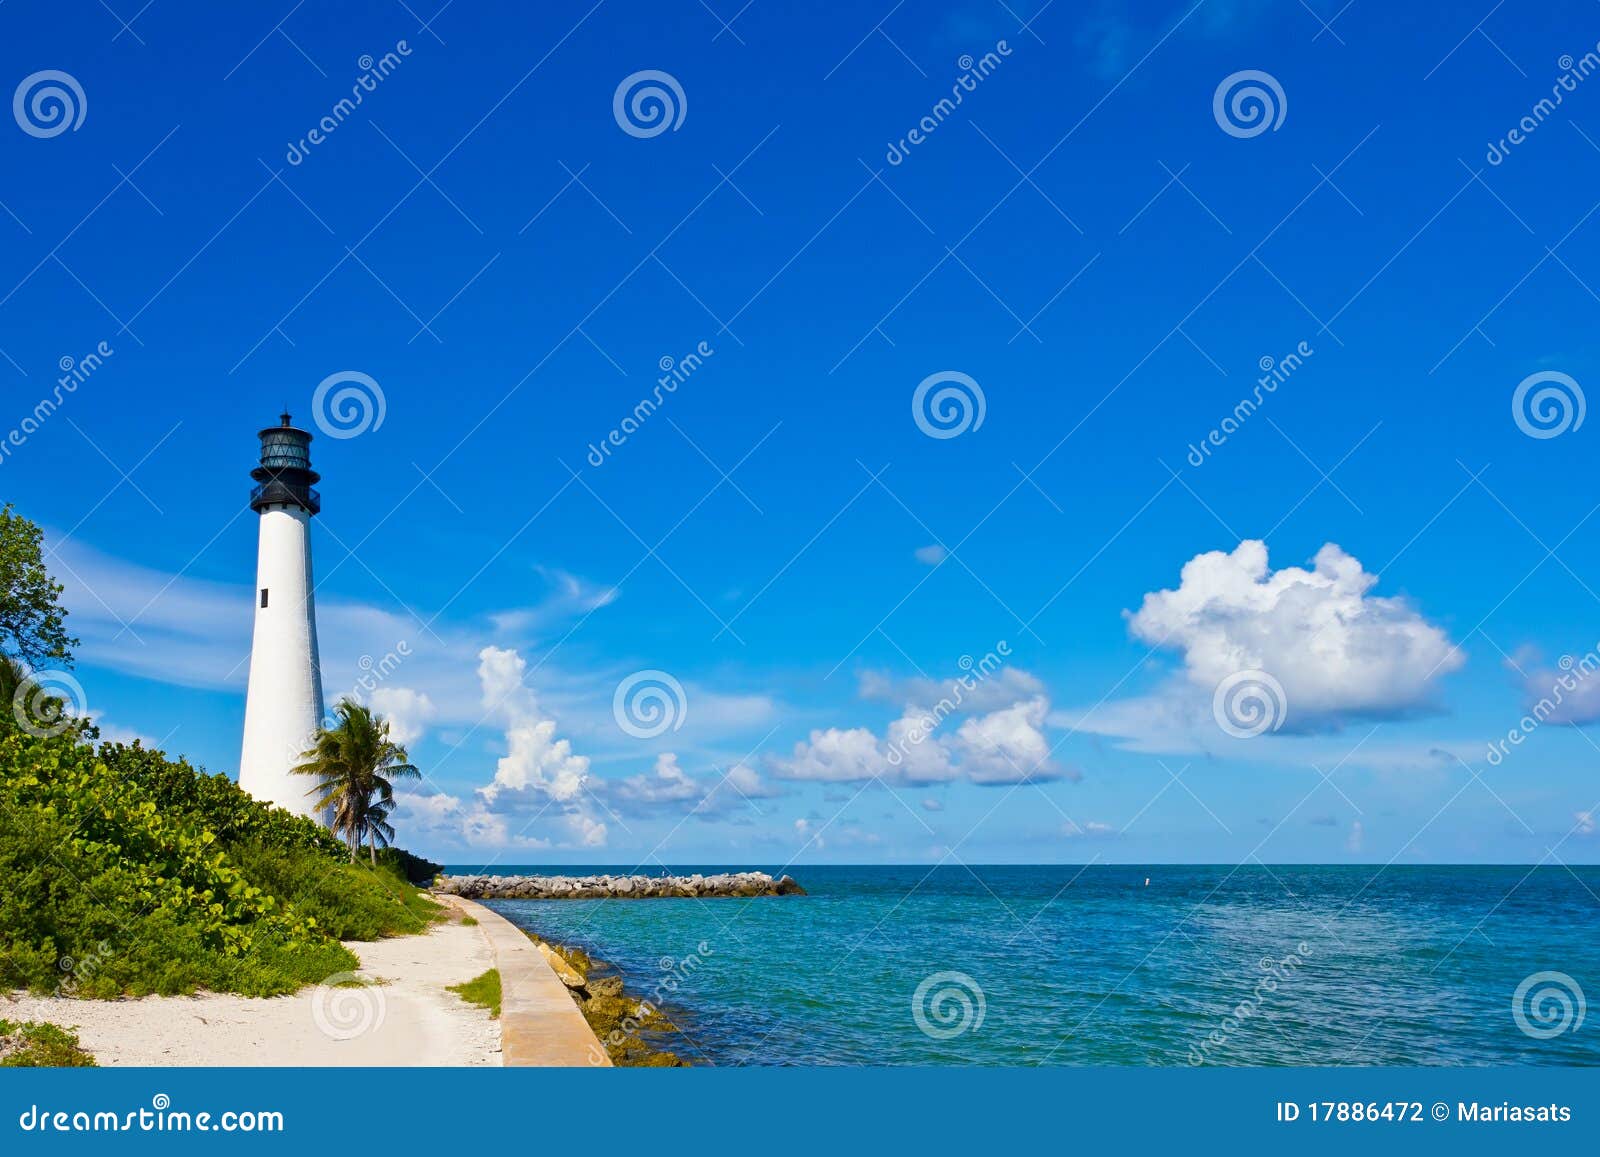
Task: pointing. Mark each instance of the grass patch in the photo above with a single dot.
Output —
(41, 1046)
(469, 922)
(483, 991)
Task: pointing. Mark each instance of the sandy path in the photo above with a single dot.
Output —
(408, 1020)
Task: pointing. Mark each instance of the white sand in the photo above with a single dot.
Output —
(410, 1019)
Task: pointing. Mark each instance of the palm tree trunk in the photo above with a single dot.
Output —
(372, 847)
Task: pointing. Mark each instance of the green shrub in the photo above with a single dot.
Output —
(41, 1046)
(409, 867)
(129, 873)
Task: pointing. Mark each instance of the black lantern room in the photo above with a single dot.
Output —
(285, 476)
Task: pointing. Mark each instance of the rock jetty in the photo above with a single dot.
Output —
(617, 887)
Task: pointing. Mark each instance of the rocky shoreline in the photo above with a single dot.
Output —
(633, 1029)
(696, 886)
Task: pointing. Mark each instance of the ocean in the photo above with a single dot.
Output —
(1069, 965)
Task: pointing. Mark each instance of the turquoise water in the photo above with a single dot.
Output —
(1065, 965)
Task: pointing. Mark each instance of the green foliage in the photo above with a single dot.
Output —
(217, 803)
(32, 622)
(41, 1045)
(408, 867)
(352, 901)
(483, 991)
(118, 881)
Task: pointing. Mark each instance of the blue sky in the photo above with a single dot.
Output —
(1080, 237)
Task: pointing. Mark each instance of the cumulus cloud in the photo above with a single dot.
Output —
(538, 771)
(408, 712)
(1338, 651)
(988, 730)
(536, 759)
(1569, 692)
(668, 789)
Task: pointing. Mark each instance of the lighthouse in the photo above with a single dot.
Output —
(283, 706)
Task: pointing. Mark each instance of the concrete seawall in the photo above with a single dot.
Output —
(617, 887)
(540, 1024)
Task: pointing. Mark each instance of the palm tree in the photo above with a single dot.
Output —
(355, 763)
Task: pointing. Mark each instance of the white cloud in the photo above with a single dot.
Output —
(536, 759)
(1090, 830)
(1583, 823)
(963, 733)
(1354, 840)
(568, 596)
(408, 712)
(1006, 746)
(931, 555)
(1567, 693)
(668, 789)
(1338, 651)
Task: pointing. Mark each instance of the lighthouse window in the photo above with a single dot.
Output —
(263, 596)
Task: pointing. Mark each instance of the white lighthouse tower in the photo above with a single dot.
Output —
(283, 707)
